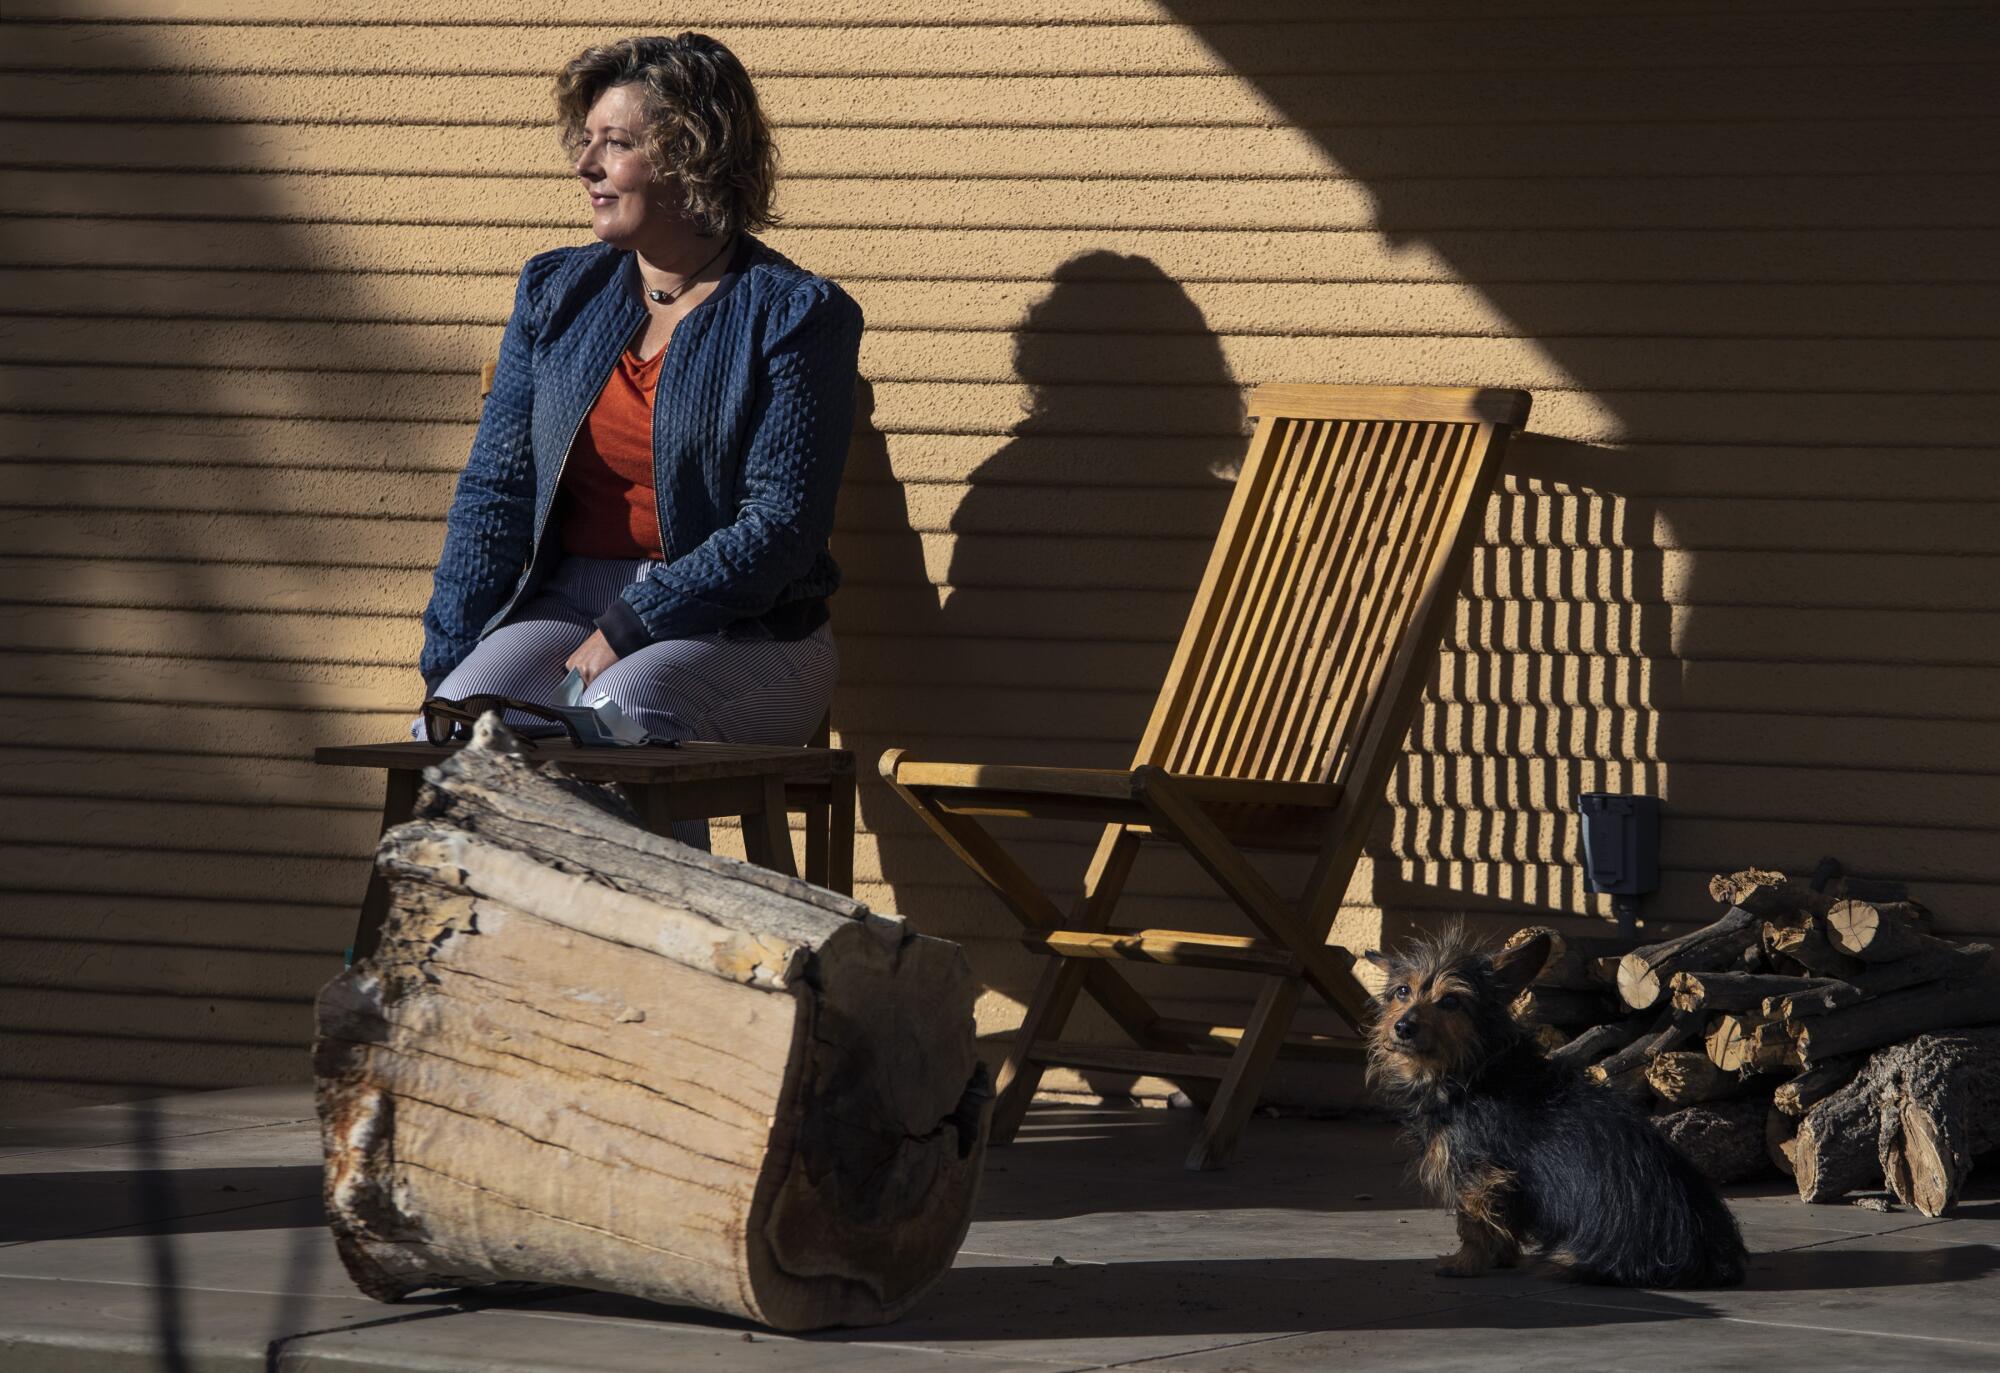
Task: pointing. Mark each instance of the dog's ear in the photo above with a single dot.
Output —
(1379, 959)
(1515, 968)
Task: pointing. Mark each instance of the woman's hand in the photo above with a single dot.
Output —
(592, 657)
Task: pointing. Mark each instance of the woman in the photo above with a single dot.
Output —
(651, 489)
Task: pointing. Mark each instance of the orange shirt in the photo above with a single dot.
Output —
(607, 507)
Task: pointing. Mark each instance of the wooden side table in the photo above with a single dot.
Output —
(760, 783)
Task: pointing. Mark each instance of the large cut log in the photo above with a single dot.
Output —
(1573, 963)
(1837, 1150)
(1714, 993)
(1781, 1141)
(1877, 933)
(587, 1055)
(1946, 961)
(1644, 974)
(1724, 1140)
(1940, 1108)
(1932, 1006)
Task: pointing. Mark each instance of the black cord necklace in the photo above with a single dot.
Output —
(660, 297)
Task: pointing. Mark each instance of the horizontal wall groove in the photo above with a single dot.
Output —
(1976, 333)
(737, 24)
(780, 127)
(779, 70)
(1313, 177)
(152, 993)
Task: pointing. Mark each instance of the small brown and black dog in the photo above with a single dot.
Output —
(1528, 1151)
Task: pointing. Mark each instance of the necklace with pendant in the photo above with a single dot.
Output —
(664, 297)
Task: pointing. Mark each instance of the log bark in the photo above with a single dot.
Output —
(1596, 1043)
(1644, 974)
(1762, 891)
(1940, 1109)
(1900, 1015)
(1947, 962)
(1724, 1140)
(1781, 1141)
(1573, 963)
(1814, 1085)
(587, 1055)
(1877, 933)
(1838, 1149)
(1713, 993)
(1686, 1077)
(1806, 945)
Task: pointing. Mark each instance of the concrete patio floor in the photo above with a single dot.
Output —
(184, 1234)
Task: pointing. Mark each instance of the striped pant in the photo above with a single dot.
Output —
(737, 691)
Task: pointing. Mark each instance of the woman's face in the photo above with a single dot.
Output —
(627, 205)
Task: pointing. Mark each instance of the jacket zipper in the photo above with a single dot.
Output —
(542, 523)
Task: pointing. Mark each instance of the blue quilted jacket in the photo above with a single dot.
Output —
(750, 430)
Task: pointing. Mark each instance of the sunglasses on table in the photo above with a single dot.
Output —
(446, 720)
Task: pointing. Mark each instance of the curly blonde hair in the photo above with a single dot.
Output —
(704, 128)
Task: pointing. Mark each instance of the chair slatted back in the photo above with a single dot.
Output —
(1321, 606)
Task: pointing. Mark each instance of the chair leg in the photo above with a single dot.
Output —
(1237, 1096)
(1055, 997)
(1254, 896)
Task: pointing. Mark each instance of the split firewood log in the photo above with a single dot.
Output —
(1940, 1109)
(1595, 1043)
(1762, 891)
(1838, 1146)
(1645, 974)
(1625, 1070)
(1800, 1094)
(1877, 933)
(1713, 993)
(1946, 962)
(1884, 1020)
(1686, 1077)
(1724, 1140)
(1575, 961)
(1739, 1043)
(1562, 1007)
(587, 1055)
(1805, 944)
(1781, 1141)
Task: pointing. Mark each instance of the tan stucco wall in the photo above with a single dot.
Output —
(1749, 561)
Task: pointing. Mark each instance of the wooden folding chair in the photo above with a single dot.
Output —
(1280, 718)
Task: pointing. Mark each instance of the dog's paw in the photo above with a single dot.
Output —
(1460, 1265)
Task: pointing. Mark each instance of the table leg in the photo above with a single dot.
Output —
(399, 801)
(767, 838)
(840, 833)
(819, 828)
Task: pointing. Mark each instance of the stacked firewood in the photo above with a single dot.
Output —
(1818, 1028)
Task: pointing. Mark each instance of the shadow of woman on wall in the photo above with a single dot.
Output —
(1034, 625)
